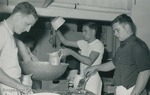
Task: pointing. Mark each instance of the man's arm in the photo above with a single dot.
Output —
(66, 41)
(22, 50)
(105, 67)
(5, 79)
(141, 57)
(141, 82)
(84, 59)
(108, 66)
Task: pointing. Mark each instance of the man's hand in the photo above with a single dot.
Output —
(90, 70)
(25, 89)
(66, 51)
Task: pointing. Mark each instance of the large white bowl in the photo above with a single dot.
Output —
(43, 70)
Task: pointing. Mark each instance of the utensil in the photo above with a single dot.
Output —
(76, 80)
(82, 82)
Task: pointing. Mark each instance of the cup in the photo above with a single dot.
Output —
(57, 22)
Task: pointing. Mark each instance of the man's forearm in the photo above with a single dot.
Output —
(141, 82)
(63, 39)
(106, 67)
(103, 67)
(81, 58)
(5, 79)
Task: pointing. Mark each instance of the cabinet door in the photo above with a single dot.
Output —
(116, 4)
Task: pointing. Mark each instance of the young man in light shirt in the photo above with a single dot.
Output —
(91, 54)
(22, 19)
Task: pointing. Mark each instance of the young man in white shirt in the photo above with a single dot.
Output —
(91, 54)
(22, 19)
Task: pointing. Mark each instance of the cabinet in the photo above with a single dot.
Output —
(81, 9)
(91, 9)
(115, 4)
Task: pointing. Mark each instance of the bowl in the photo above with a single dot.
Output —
(43, 70)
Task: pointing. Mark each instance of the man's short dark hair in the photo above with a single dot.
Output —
(25, 8)
(125, 19)
(91, 25)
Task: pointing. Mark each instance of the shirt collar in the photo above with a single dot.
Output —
(6, 25)
(130, 38)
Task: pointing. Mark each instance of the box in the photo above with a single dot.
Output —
(108, 87)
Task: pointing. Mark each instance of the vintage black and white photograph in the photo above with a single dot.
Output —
(74, 47)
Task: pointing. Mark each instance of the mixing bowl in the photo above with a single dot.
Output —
(43, 70)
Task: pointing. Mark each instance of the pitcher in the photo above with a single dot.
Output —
(54, 58)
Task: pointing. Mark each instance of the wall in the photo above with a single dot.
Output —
(44, 47)
(141, 17)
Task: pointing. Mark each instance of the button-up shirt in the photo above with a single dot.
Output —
(131, 58)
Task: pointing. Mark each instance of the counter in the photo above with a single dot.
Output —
(60, 87)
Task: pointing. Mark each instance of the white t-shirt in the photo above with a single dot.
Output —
(8, 52)
(87, 48)
(94, 84)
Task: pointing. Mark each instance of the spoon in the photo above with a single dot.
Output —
(82, 82)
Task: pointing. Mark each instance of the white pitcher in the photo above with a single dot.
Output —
(54, 58)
